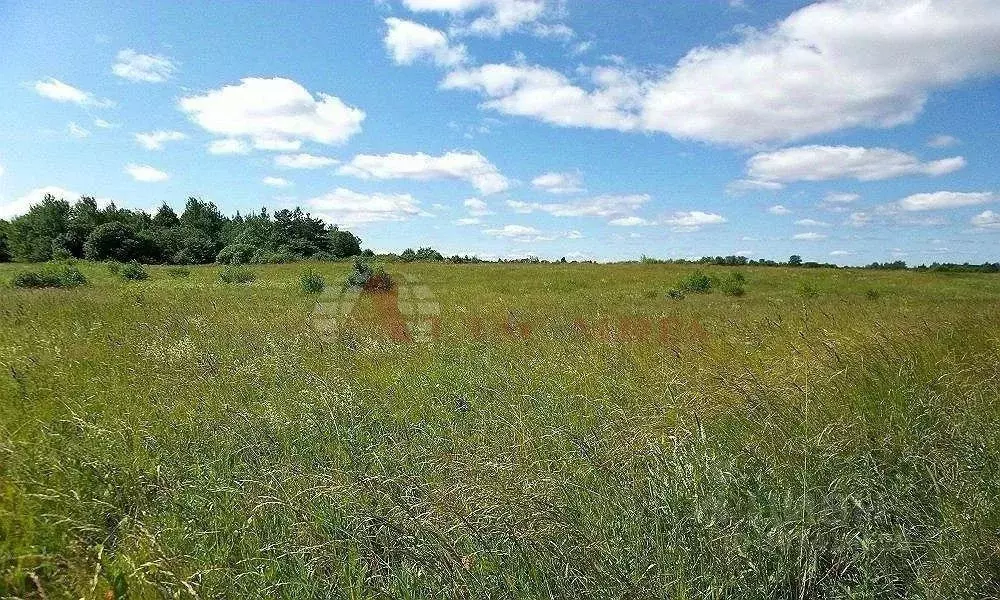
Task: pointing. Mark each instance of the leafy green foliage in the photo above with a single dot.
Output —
(111, 241)
(235, 254)
(733, 284)
(133, 271)
(696, 283)
(57, 275)
(312, 282)
(178, 272)
(236, 274)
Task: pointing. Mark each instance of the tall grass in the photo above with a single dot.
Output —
(189, 438)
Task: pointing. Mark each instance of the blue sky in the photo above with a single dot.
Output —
(843, 131)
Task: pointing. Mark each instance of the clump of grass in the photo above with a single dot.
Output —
(133, 271)
(113, 266)
(696, 283)
(312, 282)
(178, 272)
(873, 294)
(675, 293)
(236, 274)
(808, 290)
(50, 275)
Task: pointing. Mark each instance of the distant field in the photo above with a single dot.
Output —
(562, 431)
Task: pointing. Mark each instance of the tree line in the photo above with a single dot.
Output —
(54, 229)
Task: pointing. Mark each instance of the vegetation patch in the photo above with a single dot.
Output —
(53, 275)
(237, 274)
(312, 282)
(133, 271)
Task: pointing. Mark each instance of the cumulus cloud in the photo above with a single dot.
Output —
(304, 161)
(942, 141)
(778, 209)
(468, 221)
(693, 220)
(154, 140)
(608, 205)
(859, 219)
(276, 182)
(819, 163)
(468, 166)
(273, 114)
(477, 207)
(346, 207)
(810, 236)
(519, 233)
(19, 206)
(408, 42)
(753, 185)
(150, 68)
(228, 146)
(146, 173)
(550, 96)
(841, 198)
(493, 17)
(942, 200)
(53, 89)
(987, 220)
(828, 66)
(811, 223)
(629, 222)
(559, 183)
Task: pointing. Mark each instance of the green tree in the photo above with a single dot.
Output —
(5, 229)
(165, 217)
(112, 241)
(34, 232)
(794, 260)
(343, 243)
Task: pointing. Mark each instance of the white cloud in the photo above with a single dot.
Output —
(598, 206)
(146, 173)
(77, 131)
(468, 221)
(154, 140)
(940, 200)
(21, 205)
(273, 113)
(693, 220)
(103, 124)
(547, 95)
(810, 236)
(468, 166)
(409, 42)
(753, 185)
(346, 207)
(574, 235)
(778, 209)
(501, 16)
(477, 207)
(942, 141)
(150, 68)
(559, 183)
(828, 66)
(841, 253)
(819, 163)
(521, 233)
(811, 223)
(228, 146)
(841, 198)
(276, 182)
(987, 220)
(859, 219)
(53, 89)
(629, 222)
(304, 161)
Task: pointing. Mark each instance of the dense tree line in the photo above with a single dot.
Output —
(56, 229)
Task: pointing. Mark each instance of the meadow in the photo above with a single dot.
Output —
(569, 432)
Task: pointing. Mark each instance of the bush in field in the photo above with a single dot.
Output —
(808, 290)
(50, 275)
(114, 267)
(235, 254)
(675, 293)
(696, 283)
(379, 281)
(873, 294)
(236, 274)
(732, 284)
(178, 271)
(133, 271)
(371, 280)
(312, 282)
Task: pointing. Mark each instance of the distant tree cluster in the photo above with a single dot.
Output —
(55, 229)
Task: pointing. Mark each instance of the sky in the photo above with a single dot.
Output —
(844, 131)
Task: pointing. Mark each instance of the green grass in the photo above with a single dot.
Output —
(179, 436)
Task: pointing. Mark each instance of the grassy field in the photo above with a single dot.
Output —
(570, 432)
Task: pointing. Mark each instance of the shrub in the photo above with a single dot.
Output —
(133, 271)
(675, 293)
(235, 254)
(732, 284)
(178, 271)
(113, 240)
(697, 283)
(873, 294)
(359, 275)
(113, 266)
(236, 274)
(808, 290)
(51, 275)
(312, 282)
(379, 281)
